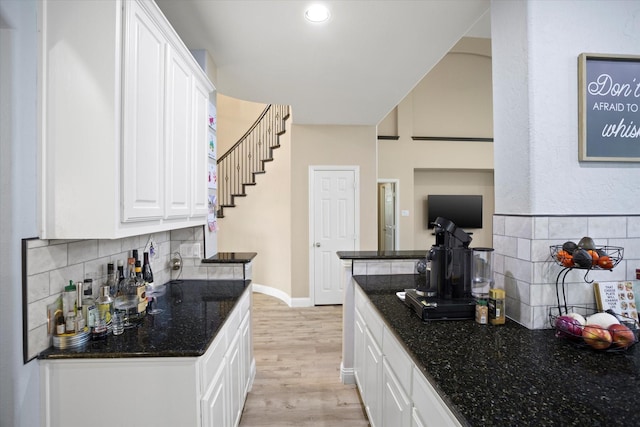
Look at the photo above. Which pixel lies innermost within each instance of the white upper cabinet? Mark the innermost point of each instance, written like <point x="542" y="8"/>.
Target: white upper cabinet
<point x="123" y="122"/>
<point x="143" y="146"/>
<point x="179" y="110"/>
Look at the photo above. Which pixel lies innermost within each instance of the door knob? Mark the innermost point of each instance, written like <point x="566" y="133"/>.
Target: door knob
<point x="317" y="245"/>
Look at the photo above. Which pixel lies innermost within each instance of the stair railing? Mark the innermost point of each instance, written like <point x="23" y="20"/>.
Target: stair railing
<point x="238" y="167"/>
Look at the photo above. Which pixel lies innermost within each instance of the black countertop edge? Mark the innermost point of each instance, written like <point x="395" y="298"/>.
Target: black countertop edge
<point x="361" y="255"/>
<point x="230" y="258"/>
<point x="194" y="312"/>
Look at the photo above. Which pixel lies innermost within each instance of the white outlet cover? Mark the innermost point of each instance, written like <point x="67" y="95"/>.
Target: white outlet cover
<point x="186" y="250"/>
<point x="196" y="250"/>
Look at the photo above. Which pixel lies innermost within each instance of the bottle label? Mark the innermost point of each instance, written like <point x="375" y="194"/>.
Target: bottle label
<point x="91" y="316"/>
<point x="104" y="311"/>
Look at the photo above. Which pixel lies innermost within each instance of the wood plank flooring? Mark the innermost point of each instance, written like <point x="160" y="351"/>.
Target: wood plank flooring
<point x="298" y="353"/>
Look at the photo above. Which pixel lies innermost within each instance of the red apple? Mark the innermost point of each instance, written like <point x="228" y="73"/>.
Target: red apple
<point x="597" y="337"/>
<point x="622" y="336"/>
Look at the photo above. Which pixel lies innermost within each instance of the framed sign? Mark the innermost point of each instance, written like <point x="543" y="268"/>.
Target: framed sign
<point x="609" y="108"/>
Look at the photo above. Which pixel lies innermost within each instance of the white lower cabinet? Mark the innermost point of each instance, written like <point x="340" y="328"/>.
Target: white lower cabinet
<point x="358" y="350"/>
<point x="396" y="406"/>
<point x="215" y="402"/>
<point x="205" y="391"/>
<point x="429" y="408"/>
<point x="372" y="374"/>
<point x="394" y="391"/>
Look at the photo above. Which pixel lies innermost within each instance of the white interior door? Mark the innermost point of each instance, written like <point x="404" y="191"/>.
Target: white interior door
<point x="389" y="217"/>
<point x="333" y="228"/>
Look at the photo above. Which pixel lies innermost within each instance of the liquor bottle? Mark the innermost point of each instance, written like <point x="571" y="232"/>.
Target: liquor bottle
<point x="112" y="280"/>
<point x="131" y="293"/>
<point x="80" y="310"/>
<point x="147" y="274"/>
<point x="121" y="275"/>
<point x="105" y="310"/>
<point x="141" y="290"/>
<point x="89" y="308"/>
<point x="105" y="305"/>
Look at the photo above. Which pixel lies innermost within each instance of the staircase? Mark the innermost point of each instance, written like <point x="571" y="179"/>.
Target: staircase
<point x="238" y="167"/>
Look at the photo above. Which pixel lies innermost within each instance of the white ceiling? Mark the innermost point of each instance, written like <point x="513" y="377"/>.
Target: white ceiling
<point x="352" y="70"/>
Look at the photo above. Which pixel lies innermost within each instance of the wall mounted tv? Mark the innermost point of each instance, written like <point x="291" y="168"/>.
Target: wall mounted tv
<point x="464" y="211"/>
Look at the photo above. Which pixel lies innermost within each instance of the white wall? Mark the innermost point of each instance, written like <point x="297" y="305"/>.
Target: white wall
<point x="19" y="384"/>
<point x="544" y="195"/>
<point x="535" y="51"/>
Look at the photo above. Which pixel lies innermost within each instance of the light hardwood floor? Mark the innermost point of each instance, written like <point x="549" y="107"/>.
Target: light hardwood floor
<point x="298" y="353"/>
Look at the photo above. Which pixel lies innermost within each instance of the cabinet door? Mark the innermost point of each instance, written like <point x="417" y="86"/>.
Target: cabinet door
<point x="178" y="128"/>
<point x="372" y="378"/>
<point x="396" y="406"/>
<point x="236" y="392"/>
<point x="214" y="403"/>
<point x="245" y="353"/>
<point x="358" y="350"/>
<point x="142" y="120"/>
<point x="199" y="202"/>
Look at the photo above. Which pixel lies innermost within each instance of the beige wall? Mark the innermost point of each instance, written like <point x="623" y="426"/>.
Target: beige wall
<point x="453" y="100"/>
<point x="273" y="220"/>
<point x="235" y="116"/>
<point x="452" y="182"/>
<point x="261" y="222"/>
<point x="329" y="145"/>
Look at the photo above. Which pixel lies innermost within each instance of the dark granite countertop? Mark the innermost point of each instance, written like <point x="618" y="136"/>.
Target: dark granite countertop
<point x="231" y="258"/>
<point x="382" y="254"/>
<point x="509" y="375"/>
<point x="193" y="312"/>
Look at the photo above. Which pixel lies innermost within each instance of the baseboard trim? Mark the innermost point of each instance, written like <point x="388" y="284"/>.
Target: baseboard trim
<point x="347" y="375"/>
<point x="282" y="296"/>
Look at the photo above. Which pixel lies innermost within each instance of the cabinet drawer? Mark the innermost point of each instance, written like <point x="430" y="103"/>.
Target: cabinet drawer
<point x="428" y="404"/>
<point x="245" y="302"/>
<point x="370" y="316"/>
<point x="397" y="357"/>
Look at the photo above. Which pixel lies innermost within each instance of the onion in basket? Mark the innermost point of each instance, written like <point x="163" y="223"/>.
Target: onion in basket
<point x="568" y="327"/>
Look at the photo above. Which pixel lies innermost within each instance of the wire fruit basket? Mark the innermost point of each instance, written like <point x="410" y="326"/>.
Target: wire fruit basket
<point x="602" y="257"/>
<point x="616" y="338"/>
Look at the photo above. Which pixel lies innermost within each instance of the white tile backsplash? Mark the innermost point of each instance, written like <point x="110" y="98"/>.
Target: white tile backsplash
<point x="52" y="263"/>
<point x="562" y="229"/>
<point x="403" y="267"/>
<point x="524" y="249"/>
<point x="607" y="228"/>
<point x="378" y="267"/>
<point x="530" y="282"/>
<point x="82" y="250"/>
<point x="46" y="258"/>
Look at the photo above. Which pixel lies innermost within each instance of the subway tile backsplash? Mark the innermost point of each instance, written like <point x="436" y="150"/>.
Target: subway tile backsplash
<point x="50" y="264"/>
<point x="525" y="269"/>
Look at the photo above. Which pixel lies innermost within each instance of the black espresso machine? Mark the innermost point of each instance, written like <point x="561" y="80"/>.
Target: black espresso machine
<point x="447" y="291"/>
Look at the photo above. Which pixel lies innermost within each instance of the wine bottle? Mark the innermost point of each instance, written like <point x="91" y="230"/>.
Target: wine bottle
<point x="147" y="274"/>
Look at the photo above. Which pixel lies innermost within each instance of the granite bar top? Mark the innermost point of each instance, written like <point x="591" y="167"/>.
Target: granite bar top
<point x="509" y="375"/>
<point x="193" y="312"/>
<point x="382" y="254"/>
<point x="230" y="258"/>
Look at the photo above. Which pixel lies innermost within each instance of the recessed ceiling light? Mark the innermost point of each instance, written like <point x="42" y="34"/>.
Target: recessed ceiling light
<point x="317" y="13"/>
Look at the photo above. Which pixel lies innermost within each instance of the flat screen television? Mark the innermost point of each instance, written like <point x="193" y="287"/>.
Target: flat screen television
<point x="464" y="211"/>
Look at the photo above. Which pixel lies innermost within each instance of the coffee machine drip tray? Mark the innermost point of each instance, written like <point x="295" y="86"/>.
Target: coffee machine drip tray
<point x="440" y="309"/>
